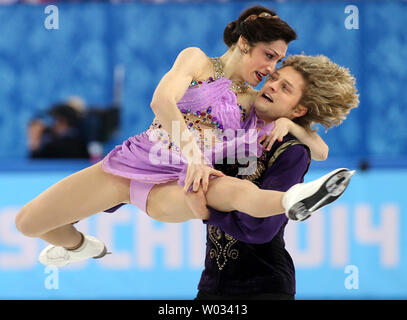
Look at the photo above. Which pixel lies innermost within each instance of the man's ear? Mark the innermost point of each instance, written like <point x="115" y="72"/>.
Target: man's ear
<point x="300" y="111"/>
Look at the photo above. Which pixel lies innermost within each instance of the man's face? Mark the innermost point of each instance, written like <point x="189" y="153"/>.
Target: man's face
<point x="280" y="95"/>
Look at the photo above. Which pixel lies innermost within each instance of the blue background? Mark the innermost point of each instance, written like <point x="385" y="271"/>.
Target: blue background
<point x="39" y="67"/>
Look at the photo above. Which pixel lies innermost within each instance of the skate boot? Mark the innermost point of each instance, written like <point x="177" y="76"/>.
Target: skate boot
<point x="302" y="199"/>
<point x="59" y="256"/>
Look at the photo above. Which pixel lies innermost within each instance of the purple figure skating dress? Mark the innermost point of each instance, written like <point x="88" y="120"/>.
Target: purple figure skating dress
<point x="152" y="157"/>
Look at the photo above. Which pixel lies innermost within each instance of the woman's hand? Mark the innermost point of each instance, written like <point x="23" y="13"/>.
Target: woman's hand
<point x="198" y="173"/>
<point x="282" y="127"/>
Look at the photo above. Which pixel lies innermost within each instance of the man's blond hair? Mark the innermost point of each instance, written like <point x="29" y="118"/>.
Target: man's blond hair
<point x="329" y="93"/>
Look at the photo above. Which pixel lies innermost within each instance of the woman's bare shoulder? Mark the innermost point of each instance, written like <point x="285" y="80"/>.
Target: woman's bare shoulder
<point x="193" y="55"/>
<point x="194" y="58"/>
<point x="193" y="52"/>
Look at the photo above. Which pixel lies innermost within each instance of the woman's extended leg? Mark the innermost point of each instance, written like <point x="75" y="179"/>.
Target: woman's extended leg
<point x="169" y="203"/>
<point x="228" y="193"/>
<point x="50" y="215"/>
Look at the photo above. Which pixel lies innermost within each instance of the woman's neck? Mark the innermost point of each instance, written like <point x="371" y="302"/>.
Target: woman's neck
<point x="231" y="61"/>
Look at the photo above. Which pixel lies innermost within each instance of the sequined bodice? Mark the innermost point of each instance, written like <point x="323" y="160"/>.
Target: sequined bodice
<point x="209" y="104"/>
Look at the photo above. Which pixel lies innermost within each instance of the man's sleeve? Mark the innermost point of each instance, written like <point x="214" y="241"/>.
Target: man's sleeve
<point x="288" y="169"/>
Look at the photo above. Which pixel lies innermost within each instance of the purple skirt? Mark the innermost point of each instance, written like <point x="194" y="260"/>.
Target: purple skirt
<point x="147" y="163"/>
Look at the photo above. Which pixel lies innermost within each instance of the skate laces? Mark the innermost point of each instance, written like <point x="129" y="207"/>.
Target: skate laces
<point x="57" y="253"/>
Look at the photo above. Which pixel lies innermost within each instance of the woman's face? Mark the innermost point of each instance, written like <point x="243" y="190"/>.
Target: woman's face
<point x="261" y="60"/>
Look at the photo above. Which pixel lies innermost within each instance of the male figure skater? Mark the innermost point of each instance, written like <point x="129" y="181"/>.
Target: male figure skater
<point x="246" y="256"/>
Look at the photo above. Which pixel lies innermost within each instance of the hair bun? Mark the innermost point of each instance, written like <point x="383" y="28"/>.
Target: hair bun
<point x="231" y="33"/>
<point x="258" y="24"/>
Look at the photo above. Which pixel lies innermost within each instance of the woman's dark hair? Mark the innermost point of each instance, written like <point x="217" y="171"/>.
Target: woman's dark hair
<point x="258" y="29"/>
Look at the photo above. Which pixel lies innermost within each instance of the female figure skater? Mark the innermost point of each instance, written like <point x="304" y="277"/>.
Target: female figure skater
<point x="198" y="93"/>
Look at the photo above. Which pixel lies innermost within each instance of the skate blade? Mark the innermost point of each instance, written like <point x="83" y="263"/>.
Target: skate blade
<point x="333" y="188"/>
<point x="104" y="252"/>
